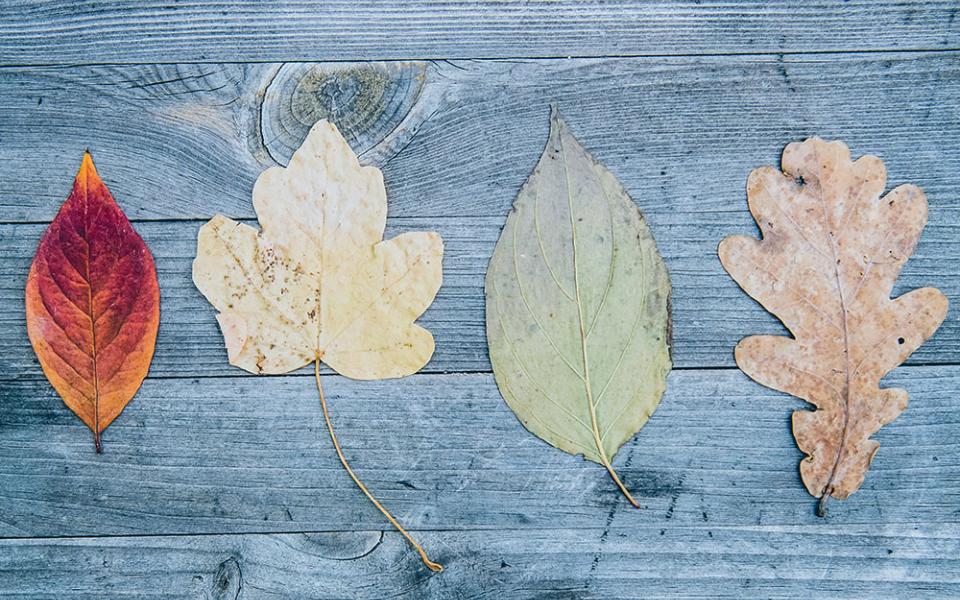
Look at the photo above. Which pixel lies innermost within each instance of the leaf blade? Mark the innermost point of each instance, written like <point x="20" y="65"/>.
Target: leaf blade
<point x="318" y="280"/>
<point x="561" y="317"/>
<point x="93" y="303"/>
<point x="847" y="245"/>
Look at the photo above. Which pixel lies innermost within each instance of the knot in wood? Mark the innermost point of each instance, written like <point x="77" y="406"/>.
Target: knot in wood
<point x="366" y="101"/>
<point x="227" y="581"/>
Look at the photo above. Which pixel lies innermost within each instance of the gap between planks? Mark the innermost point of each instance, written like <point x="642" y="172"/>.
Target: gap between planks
<point x="712" y="526"/>
<point x="354" y="60"/>
<point x="302" y="373"/>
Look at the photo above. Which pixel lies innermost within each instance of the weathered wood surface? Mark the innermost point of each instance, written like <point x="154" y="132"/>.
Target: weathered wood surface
<point x="216" y="486"/>
<point x="681" y="133"/>
<point x="186" y="141"/>
<point x="825" y="561"/>
<point x="213" y="30"/>
<point x="232" y="455"/>
<point x="710" y="313"/>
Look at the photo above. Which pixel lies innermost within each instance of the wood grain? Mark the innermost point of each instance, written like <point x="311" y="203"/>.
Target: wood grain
<point x="824" y="561"/>
<point x="710" y="313"/>
<point x="681" y="133"/>
<point x="209" y="482"/>
<point x="444" y="452"/>
<point x="214" y="30"/>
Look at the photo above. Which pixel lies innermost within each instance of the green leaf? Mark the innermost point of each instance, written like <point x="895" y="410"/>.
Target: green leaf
<point x="578" y="306"/>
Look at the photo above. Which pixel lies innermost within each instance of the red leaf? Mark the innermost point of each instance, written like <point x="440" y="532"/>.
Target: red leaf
<point x="93" y="303"/>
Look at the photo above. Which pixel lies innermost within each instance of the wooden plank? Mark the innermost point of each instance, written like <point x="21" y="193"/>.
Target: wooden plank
<point x="213" y="30"/>
<point x="878" y="562"/>
<point x="444" y="452"/>
<point x="458" y="139"/>
<point x="710" y="313"/>
<point x="682" y="134"/>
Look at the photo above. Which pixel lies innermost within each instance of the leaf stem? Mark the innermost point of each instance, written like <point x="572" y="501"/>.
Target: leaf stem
<point x="343" y="460"/>
<point x="603" y="456"/>
<point x="822" y="505"/>
<point x="606" y="463"/>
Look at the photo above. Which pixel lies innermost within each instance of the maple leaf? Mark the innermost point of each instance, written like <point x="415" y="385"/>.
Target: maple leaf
<point x="831" y="251"/>
<point x="317" y="283"/>
<point x="93" y="303"/>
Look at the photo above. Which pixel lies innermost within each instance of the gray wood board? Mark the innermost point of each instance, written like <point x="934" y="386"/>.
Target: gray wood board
<point x="212" y="30"/>
<point x="822" y="561"/>
<point x="681" y="133"/>
<point x="458" y="139"/>
<point x="216" y="455"/>
<point x="710" y="313"/>
<point x="209" y="483"/>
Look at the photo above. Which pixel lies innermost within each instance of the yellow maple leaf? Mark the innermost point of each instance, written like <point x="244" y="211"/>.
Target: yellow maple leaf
<point x="317" y="283"/>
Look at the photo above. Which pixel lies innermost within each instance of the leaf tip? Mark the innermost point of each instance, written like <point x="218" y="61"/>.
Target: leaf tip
<point x="87" y="161"/>
<point x="556" y="118"/>
<point x="87" y="171"/>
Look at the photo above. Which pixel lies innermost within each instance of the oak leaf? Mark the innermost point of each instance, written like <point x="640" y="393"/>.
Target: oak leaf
<point x="831" y="250"/>
<point x="93" y="303"/>
<point x="578" y="314"/>
<point x="317" y="283"/>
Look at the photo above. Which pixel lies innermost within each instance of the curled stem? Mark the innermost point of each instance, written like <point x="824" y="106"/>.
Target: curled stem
<point x="343" y="460"/>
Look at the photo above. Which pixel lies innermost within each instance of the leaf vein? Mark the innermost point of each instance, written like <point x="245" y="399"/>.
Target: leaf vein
<point x="526" y="304"/>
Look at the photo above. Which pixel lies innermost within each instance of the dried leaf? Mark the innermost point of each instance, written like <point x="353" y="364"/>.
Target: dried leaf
<point x="831" y="251"/>
<point x="93" y="304"/>
<point x="317" y="283"/>
<point x="578" y="306"/>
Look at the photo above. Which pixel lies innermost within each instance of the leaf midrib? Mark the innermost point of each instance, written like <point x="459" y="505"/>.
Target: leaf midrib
<point x="828" y="487"/>
<point x="576" y="288"/>
<point x="90" y="315"/>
